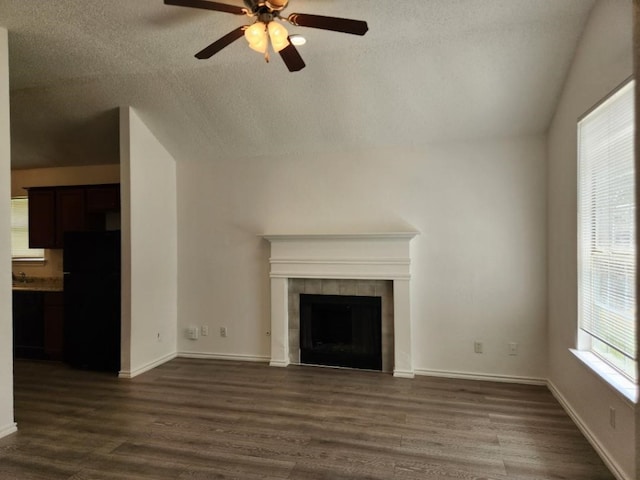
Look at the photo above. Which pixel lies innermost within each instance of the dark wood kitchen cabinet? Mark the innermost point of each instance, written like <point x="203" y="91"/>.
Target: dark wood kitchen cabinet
<point x="103" y="198"/>
<point x="53" y="211"/>
<point x="38" y="324"/>
<point x="42" y="218"/>
<point x="28" y="328"/>
<point x="53" y="316"/>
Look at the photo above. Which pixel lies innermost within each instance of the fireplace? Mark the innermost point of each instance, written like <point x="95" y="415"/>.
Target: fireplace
<point x="361" y="260"/>
<point x="341" y="331"/>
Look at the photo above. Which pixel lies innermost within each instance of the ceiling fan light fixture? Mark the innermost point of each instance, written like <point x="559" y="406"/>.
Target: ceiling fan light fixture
<point x="266" y="29"/>
<point x="279" y="36"/>
<point x="257" y="37"/>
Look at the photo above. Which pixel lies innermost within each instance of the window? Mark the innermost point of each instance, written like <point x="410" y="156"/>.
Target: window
<point x="606" y="232"/>
<point x="20" y="232"/>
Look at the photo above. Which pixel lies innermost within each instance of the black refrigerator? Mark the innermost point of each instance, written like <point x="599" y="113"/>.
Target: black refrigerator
<point x="91" y="264"/>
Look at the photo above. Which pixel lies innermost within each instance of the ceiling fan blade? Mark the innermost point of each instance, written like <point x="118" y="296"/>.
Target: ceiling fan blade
<point x="344" y="25"/>
<point x="219" y="44"/>
<point x="292" y="58"/>
<point x="219" y="7"/>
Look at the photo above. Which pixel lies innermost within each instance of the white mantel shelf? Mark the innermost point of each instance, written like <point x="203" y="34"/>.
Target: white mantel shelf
<point x="374" y="256"/>
<point x="338" y="236"/>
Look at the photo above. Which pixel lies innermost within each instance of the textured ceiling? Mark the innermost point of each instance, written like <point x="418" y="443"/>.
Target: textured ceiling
<point x="427" y="71"/>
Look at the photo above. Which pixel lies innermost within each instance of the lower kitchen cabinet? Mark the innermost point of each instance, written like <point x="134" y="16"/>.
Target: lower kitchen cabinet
<point x="53" y="325"/>
<point x="38" y="324"/>
<point x="28" y="324"/>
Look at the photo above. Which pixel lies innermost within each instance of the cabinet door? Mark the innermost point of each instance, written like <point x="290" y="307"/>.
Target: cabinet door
<point x="70" y="212"/>
<point x="42" y="218"/>
<point x="53" y="325"/>
<point x="103" y="198"/>
<point x="28" y="328"/>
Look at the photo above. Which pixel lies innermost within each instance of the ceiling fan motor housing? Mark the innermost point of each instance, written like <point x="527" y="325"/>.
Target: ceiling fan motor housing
<point x="271" y="5"/>
<point x="277" y="4"/>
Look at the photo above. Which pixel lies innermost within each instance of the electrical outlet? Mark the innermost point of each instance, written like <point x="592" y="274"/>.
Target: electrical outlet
<point x="223" y="331"/>
<point x="513" y="348"/>
<point x="477" y="347"/>
<point x="204" y="330"/>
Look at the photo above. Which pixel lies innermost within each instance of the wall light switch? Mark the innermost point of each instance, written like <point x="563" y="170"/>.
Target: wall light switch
<point x="477" y="347"/>
<point x="192" y="333"/>
<point x="204" y="330"/>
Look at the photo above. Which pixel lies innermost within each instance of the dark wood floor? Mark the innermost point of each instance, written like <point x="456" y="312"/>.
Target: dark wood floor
<point x="197" y="420"/>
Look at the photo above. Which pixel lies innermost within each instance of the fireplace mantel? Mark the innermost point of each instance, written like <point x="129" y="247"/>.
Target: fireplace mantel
<point x="372" y="256"/>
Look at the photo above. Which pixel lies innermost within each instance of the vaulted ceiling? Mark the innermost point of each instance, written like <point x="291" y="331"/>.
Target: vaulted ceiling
<point x="427" y="71"/>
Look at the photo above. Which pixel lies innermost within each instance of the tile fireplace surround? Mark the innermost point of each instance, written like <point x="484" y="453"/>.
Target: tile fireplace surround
<point x="363" y="256"/>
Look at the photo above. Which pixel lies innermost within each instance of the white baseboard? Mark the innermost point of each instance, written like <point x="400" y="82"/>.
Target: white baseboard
<point x="481" y="376"/>
<point x="146" y="367"/>
<point x="591" y="438"/>
<point x="8" y="429"/>
<point x="278" y="363"/>
<point x="224" y="356"/>
<point x="404" y="374"/>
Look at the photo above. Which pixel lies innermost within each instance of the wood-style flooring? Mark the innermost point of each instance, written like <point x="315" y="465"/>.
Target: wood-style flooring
<point x="203" y="419"/>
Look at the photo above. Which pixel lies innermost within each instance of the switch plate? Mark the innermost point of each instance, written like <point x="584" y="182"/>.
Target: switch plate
<point x="223" y="331"/>
<point x="192" y="333"/>
<point x="513" y="348"/>
<point x="204" y="330"/>
<point x="477" y="347"/>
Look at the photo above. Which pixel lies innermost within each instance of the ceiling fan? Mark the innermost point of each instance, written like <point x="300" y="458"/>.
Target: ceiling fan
<point x="267" y="30"/>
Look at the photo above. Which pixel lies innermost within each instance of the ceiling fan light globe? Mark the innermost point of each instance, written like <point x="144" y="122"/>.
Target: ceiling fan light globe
<point x="256" y="34"/>
<point x="279" y="36"/>
<point x="259" y="47"/>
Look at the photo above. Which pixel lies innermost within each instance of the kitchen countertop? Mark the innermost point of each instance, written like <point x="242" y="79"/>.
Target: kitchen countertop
<point x="38" y="284"/>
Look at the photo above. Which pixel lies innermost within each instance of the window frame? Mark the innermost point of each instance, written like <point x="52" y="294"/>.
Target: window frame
<point x="38" y="255"/>
<point x="588" y="344"/>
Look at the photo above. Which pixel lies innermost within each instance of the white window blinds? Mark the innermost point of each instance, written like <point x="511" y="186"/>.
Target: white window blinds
<point x="606" y="227"/>
<point x="20" y="230"/>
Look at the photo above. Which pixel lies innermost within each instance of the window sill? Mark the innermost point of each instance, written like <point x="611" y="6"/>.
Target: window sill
<point x="621" y="384"/>
<point x="28" y="261"/>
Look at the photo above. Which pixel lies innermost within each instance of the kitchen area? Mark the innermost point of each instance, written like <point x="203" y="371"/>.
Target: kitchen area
<point x="66" y="304"/>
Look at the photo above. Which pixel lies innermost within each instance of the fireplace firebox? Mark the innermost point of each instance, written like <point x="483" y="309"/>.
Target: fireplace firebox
<point x="341" y="330"/>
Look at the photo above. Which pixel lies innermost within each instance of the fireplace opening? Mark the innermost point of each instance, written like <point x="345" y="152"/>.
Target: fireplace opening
<point x="341" y="331"/>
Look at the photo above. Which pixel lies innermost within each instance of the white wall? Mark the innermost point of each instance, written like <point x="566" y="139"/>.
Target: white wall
<point x="7" y="424"/>
<point x="603" y="60"/>
<point x="478" y="267"/>
<point x="149" y="247"/>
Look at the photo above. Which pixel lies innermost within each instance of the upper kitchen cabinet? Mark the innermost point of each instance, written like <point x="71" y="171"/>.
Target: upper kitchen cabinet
<point x="53" y="211"/>
<point x="42" y="218"/>
<point x="103" y="198"/>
